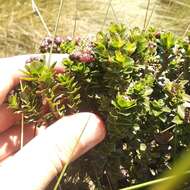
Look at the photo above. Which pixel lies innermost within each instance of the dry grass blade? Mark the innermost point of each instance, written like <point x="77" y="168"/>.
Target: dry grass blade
<point x="179" y="173"/>
<point x="170" y="2"/>
<point x="151" y="14"/>
<point x="55" y="30"/>
<point x="37" y="12"/>
<point x="75" y="21"/>
<point x="22" y="123"/>
<point x="109" y="182"/>
<point x="186" y="31"/>
<point x="114" y="13"/>
<point x="146" y="15"/>
<point x="106" y="15"/>
<point x="72" y="152"/>
<point x="22" y="132"/>
<point x="180" y="3"/>
<point x="156" y="182"/>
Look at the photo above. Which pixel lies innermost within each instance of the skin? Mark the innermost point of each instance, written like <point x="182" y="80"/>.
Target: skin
<point x="44" y="156"/>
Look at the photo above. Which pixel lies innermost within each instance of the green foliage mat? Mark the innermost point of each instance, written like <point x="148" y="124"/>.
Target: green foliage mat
<point x="137" y="81"/>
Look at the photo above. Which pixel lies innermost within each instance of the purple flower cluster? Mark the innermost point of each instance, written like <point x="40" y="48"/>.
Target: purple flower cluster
<point x="84" y="56"/>
<point x="47" y="43"/>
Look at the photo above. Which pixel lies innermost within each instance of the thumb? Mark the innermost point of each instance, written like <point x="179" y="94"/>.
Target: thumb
<point x="44" y="157"/>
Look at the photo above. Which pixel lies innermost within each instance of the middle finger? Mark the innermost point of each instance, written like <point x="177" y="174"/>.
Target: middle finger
<point x="7" y="118"/>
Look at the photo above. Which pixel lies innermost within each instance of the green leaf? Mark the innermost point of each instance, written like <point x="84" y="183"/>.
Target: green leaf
<point x="130" y="48"/>
<point x="139" y="87"/>
<point x="13" y="102"/>
<point x="177" y="120"/>
<point x="119" y="56"/>
<point x="158" y="104"/>
<point x="167" y="40"/>
<point x="163" y="118"/>
<point x="128" y="63"/>
<point x="117" y="29"/>
<point x="116" y="42"/>
<point x="143" y="147"/>
<point x="148" y="91"/>
<point x="186" y="97"/>
<point x="181" y="111"/>
<point x="124" y="103"/>
<point x="156" y="113"/>
<point x="67" y="46"/>
<point x="35" y="67"/>
<point x="166" y="109"/>
<point x="149" y="79"/>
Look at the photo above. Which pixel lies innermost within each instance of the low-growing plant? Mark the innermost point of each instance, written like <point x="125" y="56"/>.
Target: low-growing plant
<point x="137" y="81"/>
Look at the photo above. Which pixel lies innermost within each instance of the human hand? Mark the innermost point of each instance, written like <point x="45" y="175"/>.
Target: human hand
<point x="40" y="160"/>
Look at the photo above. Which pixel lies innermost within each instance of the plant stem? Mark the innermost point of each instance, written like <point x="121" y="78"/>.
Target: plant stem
<point x="167" y="129"/>
<point x="55" y="30"/>
<point x="22" y="122"/>
<point x="68" y="162"/>
<point x="153" y="182"/>
<point x="109" y="182"/>
<point x="75" y="22"/>
<point x="22" y="132"/>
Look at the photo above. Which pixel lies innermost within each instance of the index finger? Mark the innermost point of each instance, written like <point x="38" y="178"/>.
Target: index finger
<point x="10" y="70"/>
<point x="9" y="75"/>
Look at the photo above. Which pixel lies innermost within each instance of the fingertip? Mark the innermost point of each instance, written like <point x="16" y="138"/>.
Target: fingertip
<point x="93" y="125"/>
<point x="79" y="133"/>
<point x="93" y="132"/>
